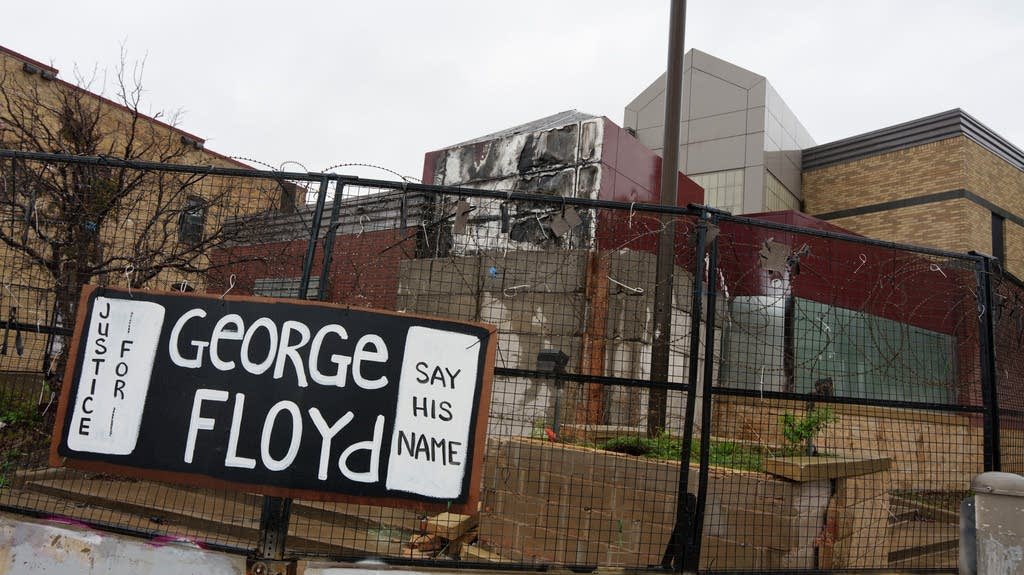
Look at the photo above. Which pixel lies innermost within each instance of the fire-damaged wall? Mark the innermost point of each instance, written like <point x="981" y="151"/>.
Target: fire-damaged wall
<point x="545" y="157"/>
<point x="568" y="155"/>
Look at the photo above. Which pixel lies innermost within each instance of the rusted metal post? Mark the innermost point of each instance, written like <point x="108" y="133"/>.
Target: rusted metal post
<point x="595" y="338"/>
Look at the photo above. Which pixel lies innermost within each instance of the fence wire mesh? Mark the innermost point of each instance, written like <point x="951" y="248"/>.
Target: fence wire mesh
<point x="1008" y="318"/>
<point x="850" y="377"/>
<point x="65" y="224"/>
<point x="835" y="384"/>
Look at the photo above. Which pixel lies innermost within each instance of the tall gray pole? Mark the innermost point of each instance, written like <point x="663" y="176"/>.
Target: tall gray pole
<point x="666" y="239"/>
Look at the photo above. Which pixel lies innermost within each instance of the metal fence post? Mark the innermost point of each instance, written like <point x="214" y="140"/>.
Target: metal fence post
<point x="678" y="554"/>
<point x="314" y="236"/>
<point x="706" y="402"/>
<point x="986" y="345"/>
<point x="332" y="227"/>
<point x="274" y="519"/>
<point x="276" y="512"/>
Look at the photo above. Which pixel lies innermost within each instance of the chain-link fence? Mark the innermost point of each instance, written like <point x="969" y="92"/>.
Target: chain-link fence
<point x="832" y="395"/>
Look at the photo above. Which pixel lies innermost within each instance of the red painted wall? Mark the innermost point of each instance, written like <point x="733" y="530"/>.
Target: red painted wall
<point x="363" y="271"/>
<point x="886" y="282"/>
<point x="632" y="173"/>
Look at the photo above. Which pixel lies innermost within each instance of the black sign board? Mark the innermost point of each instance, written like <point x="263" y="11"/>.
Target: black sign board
<point x="282" y="397"/>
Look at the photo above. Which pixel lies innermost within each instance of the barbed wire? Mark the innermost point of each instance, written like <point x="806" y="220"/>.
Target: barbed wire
<point x="374" y="166"/>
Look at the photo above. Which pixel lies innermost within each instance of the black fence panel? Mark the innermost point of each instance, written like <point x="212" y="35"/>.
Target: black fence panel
<point x="1007" y="305"/>
<point x="67" y="222"/>
<point x="829" y="393"/>
<point x="849" y="391"/>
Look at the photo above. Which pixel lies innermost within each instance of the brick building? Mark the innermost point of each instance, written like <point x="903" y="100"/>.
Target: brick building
<point x="945" y="181"/>
<point x="68" y="223"/>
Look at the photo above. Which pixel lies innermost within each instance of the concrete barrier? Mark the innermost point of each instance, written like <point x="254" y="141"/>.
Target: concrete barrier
<point x="59" y="548"/>
<point x="999" y="517"/>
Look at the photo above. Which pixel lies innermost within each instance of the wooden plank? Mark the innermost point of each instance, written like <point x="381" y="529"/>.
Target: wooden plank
<point x="211" y="513"/>
<point x="451" y="525"/>
<point x="353" y="514"/>
<point x="477" y="553"/>
<point x="926" y="511"/>
<point x="455" y="546"/>
<point x="919" y="538"/>
<point x="807" y="468"/>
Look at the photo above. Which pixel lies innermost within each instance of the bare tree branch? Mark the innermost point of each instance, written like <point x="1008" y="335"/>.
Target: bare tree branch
<point x="75" y="223"/>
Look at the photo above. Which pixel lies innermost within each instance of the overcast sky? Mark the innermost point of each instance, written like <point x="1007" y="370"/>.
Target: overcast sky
<point x="379" y="82"/>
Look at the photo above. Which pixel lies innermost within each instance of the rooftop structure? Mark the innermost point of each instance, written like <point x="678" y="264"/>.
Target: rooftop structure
<point x="738" y="138"/>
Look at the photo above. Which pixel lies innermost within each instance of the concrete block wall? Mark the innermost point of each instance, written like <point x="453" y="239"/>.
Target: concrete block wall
<point x="861" y="513"/>
<point x="538" y="300"/>
<point x="547" y="502"/>
<point x="929" y="451"/>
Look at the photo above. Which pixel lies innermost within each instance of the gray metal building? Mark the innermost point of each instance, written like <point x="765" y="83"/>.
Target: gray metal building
<point x="738" y="138"/>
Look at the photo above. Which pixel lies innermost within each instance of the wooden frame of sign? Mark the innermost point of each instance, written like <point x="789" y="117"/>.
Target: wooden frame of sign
<point x="289" y="398"/>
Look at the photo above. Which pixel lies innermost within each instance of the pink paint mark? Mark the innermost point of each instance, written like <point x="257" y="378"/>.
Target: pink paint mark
<point x="67" y="521"/>
<point x="163" y="540"/>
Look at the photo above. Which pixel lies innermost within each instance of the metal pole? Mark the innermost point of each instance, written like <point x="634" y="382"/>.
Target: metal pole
<point x="665" y="273"/>
<point x="986" y="344"/>
<point x="274" y="519"/>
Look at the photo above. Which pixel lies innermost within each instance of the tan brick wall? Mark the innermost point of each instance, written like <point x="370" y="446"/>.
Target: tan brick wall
<point x="27" y="97"/>
<point x="941" y="225"/>
<point x="921" y="170"/>
<point x="929" y="450"/>
<point x="951" y="164"/>
<point x="992" y="178"/>
<point x="976" y="227"/>
<point x="546" y="502"/>
<point x="1014" y="248"/>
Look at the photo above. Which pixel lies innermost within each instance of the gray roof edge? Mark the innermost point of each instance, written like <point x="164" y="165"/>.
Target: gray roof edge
<point x="941" y="126"/>
<point x="991" y="141"/>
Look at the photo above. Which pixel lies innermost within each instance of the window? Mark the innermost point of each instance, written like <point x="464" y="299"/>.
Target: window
<point x="869" y="356"/>
<point x="777" y="197"/>
<point x="190" y="222"/>
<point x="864" y="355"/>
<point x="999" y="237"/>
<point x="722" y="190"/>
<point x="285" y="287"/>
